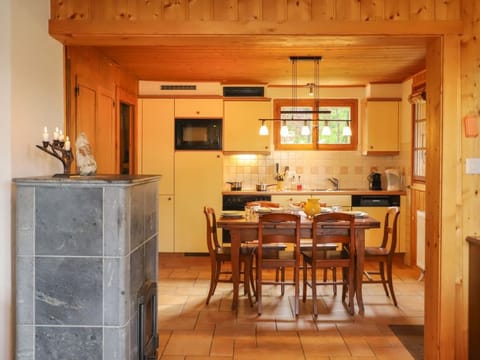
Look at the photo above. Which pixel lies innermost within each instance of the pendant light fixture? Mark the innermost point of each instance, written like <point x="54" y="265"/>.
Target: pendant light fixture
<point x="326" y="131"/>
<point x="347" y="130"/>
<point x="313" y="91"/>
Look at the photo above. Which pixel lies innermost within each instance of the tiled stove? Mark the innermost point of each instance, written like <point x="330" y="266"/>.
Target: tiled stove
<point x="85" y="246"/>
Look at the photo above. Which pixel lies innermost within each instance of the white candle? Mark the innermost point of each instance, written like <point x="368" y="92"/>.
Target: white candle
<point x="55" y="134"/>
<point x="45" y="134"/>
<point x="60" y="136"/>
<point x="67" y="144"/>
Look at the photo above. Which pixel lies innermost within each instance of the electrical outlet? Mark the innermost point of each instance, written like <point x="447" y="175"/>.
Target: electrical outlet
<point x="472" y="166"/>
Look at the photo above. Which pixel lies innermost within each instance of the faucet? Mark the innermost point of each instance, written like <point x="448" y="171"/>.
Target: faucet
<point x="334" y="182"/>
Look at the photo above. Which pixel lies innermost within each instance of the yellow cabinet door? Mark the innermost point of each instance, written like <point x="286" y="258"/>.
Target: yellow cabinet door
<point x="380" y="127"/>
<point x="156" y="140"/>
<point x="166" y="223"/>
<point x="287" y="199"/>
<point x="373" y="237"/>
<point x="198" y="183"/>
<point x="200" y="108"/>
<point x="241" y="126"/>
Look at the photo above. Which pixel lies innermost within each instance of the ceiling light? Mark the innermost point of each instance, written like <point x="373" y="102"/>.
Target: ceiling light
<point x="313" y="91"/>
<point x="347" y="130"/>
<point x="305" y="129"/>
<point x="310" y="89"/>
<point x="326" y="131"/>
<point x="263" y="129"/>
<point x="284" y="129"/>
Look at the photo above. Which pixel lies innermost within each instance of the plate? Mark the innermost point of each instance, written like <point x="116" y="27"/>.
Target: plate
<point x="232" y="214"/>
<point x="356" y="213"/>
<point x="278" y="210"/>
<point x="326" y="210"/>
<point x="263" y="210"/>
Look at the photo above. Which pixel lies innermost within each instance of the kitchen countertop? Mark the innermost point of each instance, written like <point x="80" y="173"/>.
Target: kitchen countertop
<point x="346" y="191"/>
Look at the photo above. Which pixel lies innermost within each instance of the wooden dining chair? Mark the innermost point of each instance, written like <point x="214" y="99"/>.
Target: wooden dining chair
<point x="340" y="256"/>
<point x="264" y="204"/>
<point x="280" y="272"/>
<point x="222" y="254"/>
<point x="383" y="254"/>
<point x="278" y="248"/>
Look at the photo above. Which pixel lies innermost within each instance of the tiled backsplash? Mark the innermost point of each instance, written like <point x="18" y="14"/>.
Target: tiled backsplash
<point x="313" y="168"/>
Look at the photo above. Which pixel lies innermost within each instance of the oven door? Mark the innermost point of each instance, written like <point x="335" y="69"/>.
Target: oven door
<point x="238" y="202"/>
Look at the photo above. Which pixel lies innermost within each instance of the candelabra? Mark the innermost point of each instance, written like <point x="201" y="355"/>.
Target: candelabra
<point x="57" y="150"/>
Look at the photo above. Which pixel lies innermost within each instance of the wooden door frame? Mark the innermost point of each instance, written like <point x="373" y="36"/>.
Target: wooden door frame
<point x="125" y="97"/>
<point x="444" y="326"/>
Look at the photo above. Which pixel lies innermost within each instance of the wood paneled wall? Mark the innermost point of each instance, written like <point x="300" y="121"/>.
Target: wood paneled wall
<point x="255" y="10"/>
<point x="469" y="197"/>
<point x="92" y="89"/>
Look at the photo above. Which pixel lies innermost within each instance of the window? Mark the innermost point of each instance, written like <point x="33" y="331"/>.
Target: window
<point x="340" y="110"/>
<point x="419" y="150"/>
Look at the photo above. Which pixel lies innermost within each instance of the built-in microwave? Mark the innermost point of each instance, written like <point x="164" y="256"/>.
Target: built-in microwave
<point x="198" y="134"/>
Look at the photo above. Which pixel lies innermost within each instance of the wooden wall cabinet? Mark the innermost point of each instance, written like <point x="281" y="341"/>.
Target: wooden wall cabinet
<point x="241" y="126"/>
<point x="380" y="127"/>
<point x="94" y="91"/>
<point x="201" y="108"/>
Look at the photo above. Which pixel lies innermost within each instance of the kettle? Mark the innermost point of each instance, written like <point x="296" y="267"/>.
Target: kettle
<point x="375" y="181"/>
<point x="393" y="179"/>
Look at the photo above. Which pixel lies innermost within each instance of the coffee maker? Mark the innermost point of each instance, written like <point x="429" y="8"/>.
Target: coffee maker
<point x="375" y="181"/>
<point x="393" y="179"/>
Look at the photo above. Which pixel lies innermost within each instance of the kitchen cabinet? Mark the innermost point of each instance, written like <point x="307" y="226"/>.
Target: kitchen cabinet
<point x="380" y="130"/>
<point x="373" y="237"/>
<point x="156" y="120"/>
<point x="156" y="143"/>
<point x="198" y="183"/>
<point x="241" y="126"/>
<point x="201" y="108"/>
<point x="166" y="218"/>
<point x="285" y="199"/>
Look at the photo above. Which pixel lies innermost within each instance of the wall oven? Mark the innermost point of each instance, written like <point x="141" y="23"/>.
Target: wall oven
<point x="198" y="134"/>
<point x="238" y="202"/>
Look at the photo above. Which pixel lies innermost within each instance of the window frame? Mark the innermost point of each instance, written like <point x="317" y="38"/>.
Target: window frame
<point x="352" y="103"/>
<point x="416" y="148"/>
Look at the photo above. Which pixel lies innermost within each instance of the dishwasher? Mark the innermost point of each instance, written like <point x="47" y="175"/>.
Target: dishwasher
<point x="376" y="206"/>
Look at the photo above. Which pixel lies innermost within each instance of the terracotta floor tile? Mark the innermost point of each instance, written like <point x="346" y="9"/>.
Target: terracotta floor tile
<point x="193" y="342"/>
<point x="190" y="329"/>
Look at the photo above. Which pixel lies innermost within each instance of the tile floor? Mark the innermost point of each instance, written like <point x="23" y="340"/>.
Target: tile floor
<point x="189" y="329"/>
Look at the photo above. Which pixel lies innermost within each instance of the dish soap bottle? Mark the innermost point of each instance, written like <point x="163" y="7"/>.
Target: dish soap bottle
<point x="299" y="184"/>
<point x="293" y="183"/>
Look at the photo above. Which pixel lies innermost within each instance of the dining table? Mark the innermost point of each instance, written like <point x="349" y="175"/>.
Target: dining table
<point x="243" y="229"/>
